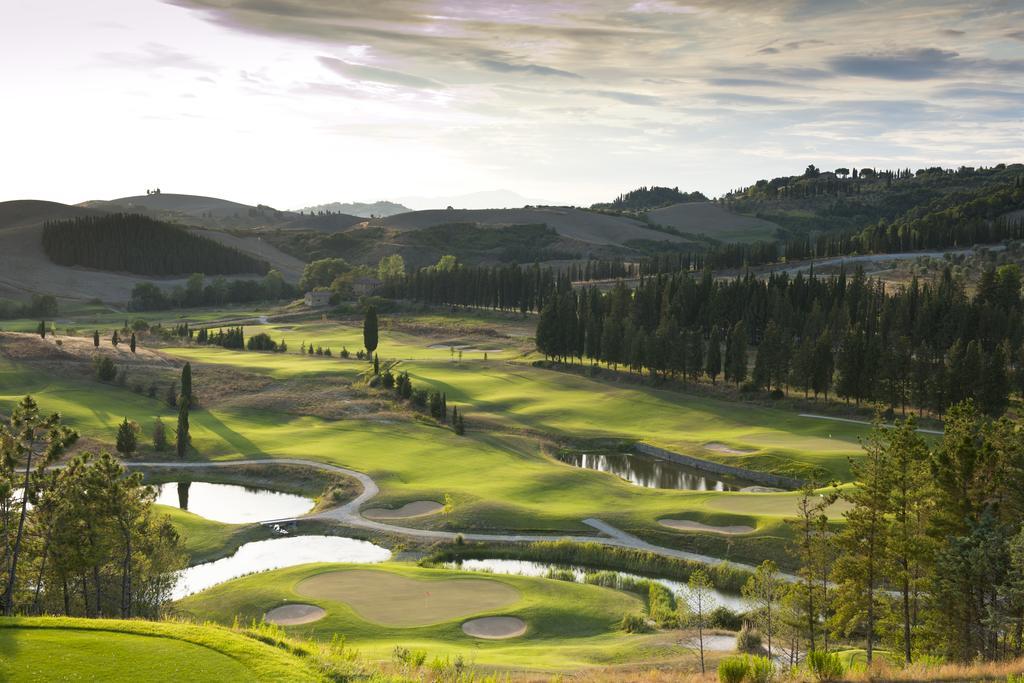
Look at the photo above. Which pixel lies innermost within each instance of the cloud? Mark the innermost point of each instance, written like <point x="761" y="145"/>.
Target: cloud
<point x="361" y="72"/>
<point x="157" y="56"/>
<point x="908" y="65"/>
<point x="534" y="69"/>
<point x="952" y="32"/>
<point x="625" y="97"/>
<point x="1016" y="35"/>
<point x="745" y="82"/>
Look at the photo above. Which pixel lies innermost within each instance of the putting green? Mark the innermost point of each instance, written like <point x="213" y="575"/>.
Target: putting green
<point x="394" y="600"/>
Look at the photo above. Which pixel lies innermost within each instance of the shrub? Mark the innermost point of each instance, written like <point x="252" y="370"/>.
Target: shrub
<point x="724" y="618"/>
<point x="106" y="371"/>
<point x="761" y="670"/>
<point x="748" y="640"/>
<point x="633" y="623"/>
<point x="825" y="666"/>
<point x="561" y="575"/>
<point x="661" y="606"/>
<point x="733" y="669"/>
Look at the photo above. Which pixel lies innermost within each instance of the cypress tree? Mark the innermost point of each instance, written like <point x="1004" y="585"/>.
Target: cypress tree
<point x="370" y="332"/>
<point x="114" y="339"/>
<point x="96" y="338"/>
<point x="131" y="344"/>
<point x="713" y="359"/>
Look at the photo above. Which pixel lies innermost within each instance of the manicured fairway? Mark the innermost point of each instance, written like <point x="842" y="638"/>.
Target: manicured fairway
<point x="206" y="539"/>
<point x="63" y="649"/>
<point x="568" y="624"/>
<point x="394" y="600"/>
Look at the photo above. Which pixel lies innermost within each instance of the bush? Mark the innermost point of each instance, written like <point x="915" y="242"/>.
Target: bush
<point x="633" y="623"/>
<point x="761" y="669"/>
<point x="106" y="371"/>
<point x="748" y="641"/>
<point x="724" y="618"/>
<point x="825" y="666"/>
<point x="733" y="669"/>
<point x="661" y="606"/>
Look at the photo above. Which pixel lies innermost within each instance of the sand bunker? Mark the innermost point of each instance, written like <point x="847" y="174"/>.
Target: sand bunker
<point x="465" y="348"/>
<point x="722" y="448"/>
<point x="292" y="615"/>
<point x="760" y="489"/>
<point x="395" y="600"/>
<point x="417" y="508"/>
<point x="495" y="628"/>
<point x="687" y="525"/>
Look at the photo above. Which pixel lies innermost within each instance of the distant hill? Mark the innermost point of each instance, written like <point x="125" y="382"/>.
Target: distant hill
<point x="488" y="199"/>
<point x="363" y="210"/>
<point x="25" y="268"/>
<point x="647" y="198"/>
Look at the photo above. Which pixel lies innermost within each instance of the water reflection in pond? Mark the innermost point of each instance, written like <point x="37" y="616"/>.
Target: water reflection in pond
<point x="230" y="503"/>
<point x="528" y="568"/>
<point x="277" y="553"/>
<point x="652" y="473"/>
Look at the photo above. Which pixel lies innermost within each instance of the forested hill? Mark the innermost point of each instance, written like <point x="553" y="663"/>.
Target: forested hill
<point x="852" y="199"/>
<point x="648" y="198"/>
<point x="137" y="244"/>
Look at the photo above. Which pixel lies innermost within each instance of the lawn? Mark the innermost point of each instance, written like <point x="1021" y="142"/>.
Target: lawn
<point x="206" y="540"/>
<point x="66" y="649"/>
<point x="568" y="625"/>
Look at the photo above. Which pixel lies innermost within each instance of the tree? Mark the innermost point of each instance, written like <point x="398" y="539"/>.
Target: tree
<point x="812" y="546"/>
<point x="171" y="397"/>
<point x="376" y="364"/>
<point x="701" y="600"/>
<point x="370" y="330"/>
<point x="824" y="366"/>
<point x="114" y="339"/>
<point x="184" y="402"/>
<point x="96" y="338"/>
<point x="131" y="344"/>
<point x="736" y="354"/>
<point x="41" y="329"/>
<point x="30" y="442"/>
<point x="763" y="590"/>
<point x="127" y="438"/>
<point x="713" y="358"/>
<point x="863" y="539"/>
<point x="159" y="436"/>
<point x="391" y="268"/>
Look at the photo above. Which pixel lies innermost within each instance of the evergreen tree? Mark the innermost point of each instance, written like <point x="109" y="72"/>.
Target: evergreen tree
<point x="96" y="338"/>
<point x="131" y="344"/>
<point x="713" y="359"/>
<point x="736" y="354"/>
<point x="159" y="436"/>
<point x="41" y="329"/>
<point x="114" y="339"/>
<point x="184" y="403"/>
<point x="763" y="591"/>
<point x="127" y="438"/>
<point x="370" y="333"/>
<point x="376" y="364"/>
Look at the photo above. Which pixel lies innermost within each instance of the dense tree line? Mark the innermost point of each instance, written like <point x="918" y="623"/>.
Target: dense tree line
<point x="506" y="288"/>
<point x="82" y="540"/>
<point x="147" y="296"/>
<point x="40" y="306"/>
<point x="134" y="243"/>
<point x="924" y="345"/>
<point x="647" y="198"/>
<point x="930" y="560"/>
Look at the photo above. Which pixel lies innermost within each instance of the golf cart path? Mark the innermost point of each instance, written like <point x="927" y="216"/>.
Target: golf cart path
<point x="349" y="515"/>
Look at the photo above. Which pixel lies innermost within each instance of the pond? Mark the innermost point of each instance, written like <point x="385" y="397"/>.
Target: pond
<point x="230" y="503"/>
<point x="653" y="473"/>
<point x="277" y="553"/>
<point x="529" y="568"/>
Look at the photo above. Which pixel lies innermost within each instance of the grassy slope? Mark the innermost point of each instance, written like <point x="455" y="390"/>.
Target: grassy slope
<point x="66" y="649"/>
<point x="206" y="540"/>
<point x="569" y="625"/>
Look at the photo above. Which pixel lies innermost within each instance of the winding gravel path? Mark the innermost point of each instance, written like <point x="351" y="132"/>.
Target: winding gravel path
<point x="349" y="515"/>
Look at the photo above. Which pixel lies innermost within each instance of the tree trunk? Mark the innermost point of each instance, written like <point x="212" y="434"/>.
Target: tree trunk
<point x="126" y="580"/>
<point x="42" y="570"/>
<point x="906" y="614"/>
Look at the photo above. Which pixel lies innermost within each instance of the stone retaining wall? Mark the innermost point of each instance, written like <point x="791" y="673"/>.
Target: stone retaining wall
<point x="762" y="478"/>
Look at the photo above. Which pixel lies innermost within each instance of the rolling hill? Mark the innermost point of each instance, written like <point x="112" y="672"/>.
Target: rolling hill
<point x="714" y="221"/>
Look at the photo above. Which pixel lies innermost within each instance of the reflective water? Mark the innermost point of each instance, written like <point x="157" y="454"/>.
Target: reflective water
<point x="276" y="553"/>
<point x="653" y="473"/>
<point x="230" y="503"/>
<point x="528" y="568"/>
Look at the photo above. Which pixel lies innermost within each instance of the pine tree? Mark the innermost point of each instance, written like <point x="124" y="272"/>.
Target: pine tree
<point x="713" y="359"/>
<point x="736" y="354"/>
<point x="127" y="438"/>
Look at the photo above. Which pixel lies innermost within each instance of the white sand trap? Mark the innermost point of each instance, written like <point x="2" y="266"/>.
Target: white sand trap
<point x="722" y="448"/>
<point x="688" y="525"/>
<point x="292" y="615"/>
<point x="466" y="348"/>
<point x="495" y="628"/>
<point x="417" y="508"/>
<point x="760" y="489"/>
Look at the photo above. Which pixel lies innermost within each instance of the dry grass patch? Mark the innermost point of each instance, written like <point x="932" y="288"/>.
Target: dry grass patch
<point x="394" y="600"/>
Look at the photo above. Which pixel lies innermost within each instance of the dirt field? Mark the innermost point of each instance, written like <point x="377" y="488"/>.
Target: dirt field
<point x="712" y="220"/>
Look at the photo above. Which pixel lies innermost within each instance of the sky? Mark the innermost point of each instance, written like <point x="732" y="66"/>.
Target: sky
<point x="299" y="102"/>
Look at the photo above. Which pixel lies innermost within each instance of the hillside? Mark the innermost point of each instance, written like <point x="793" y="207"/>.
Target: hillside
<point x="710" y="219"/>
<point x="25" y="268"/>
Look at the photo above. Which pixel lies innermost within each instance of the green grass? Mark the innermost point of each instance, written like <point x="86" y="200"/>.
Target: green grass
<point x="205" y="540"/>
<point x="66" y="649"/>
<point x="569" y="625"/>
<point x="86" y="317"/>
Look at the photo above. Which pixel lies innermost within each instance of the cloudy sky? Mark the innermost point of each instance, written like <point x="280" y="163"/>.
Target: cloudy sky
<point x="294" y="102"/>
